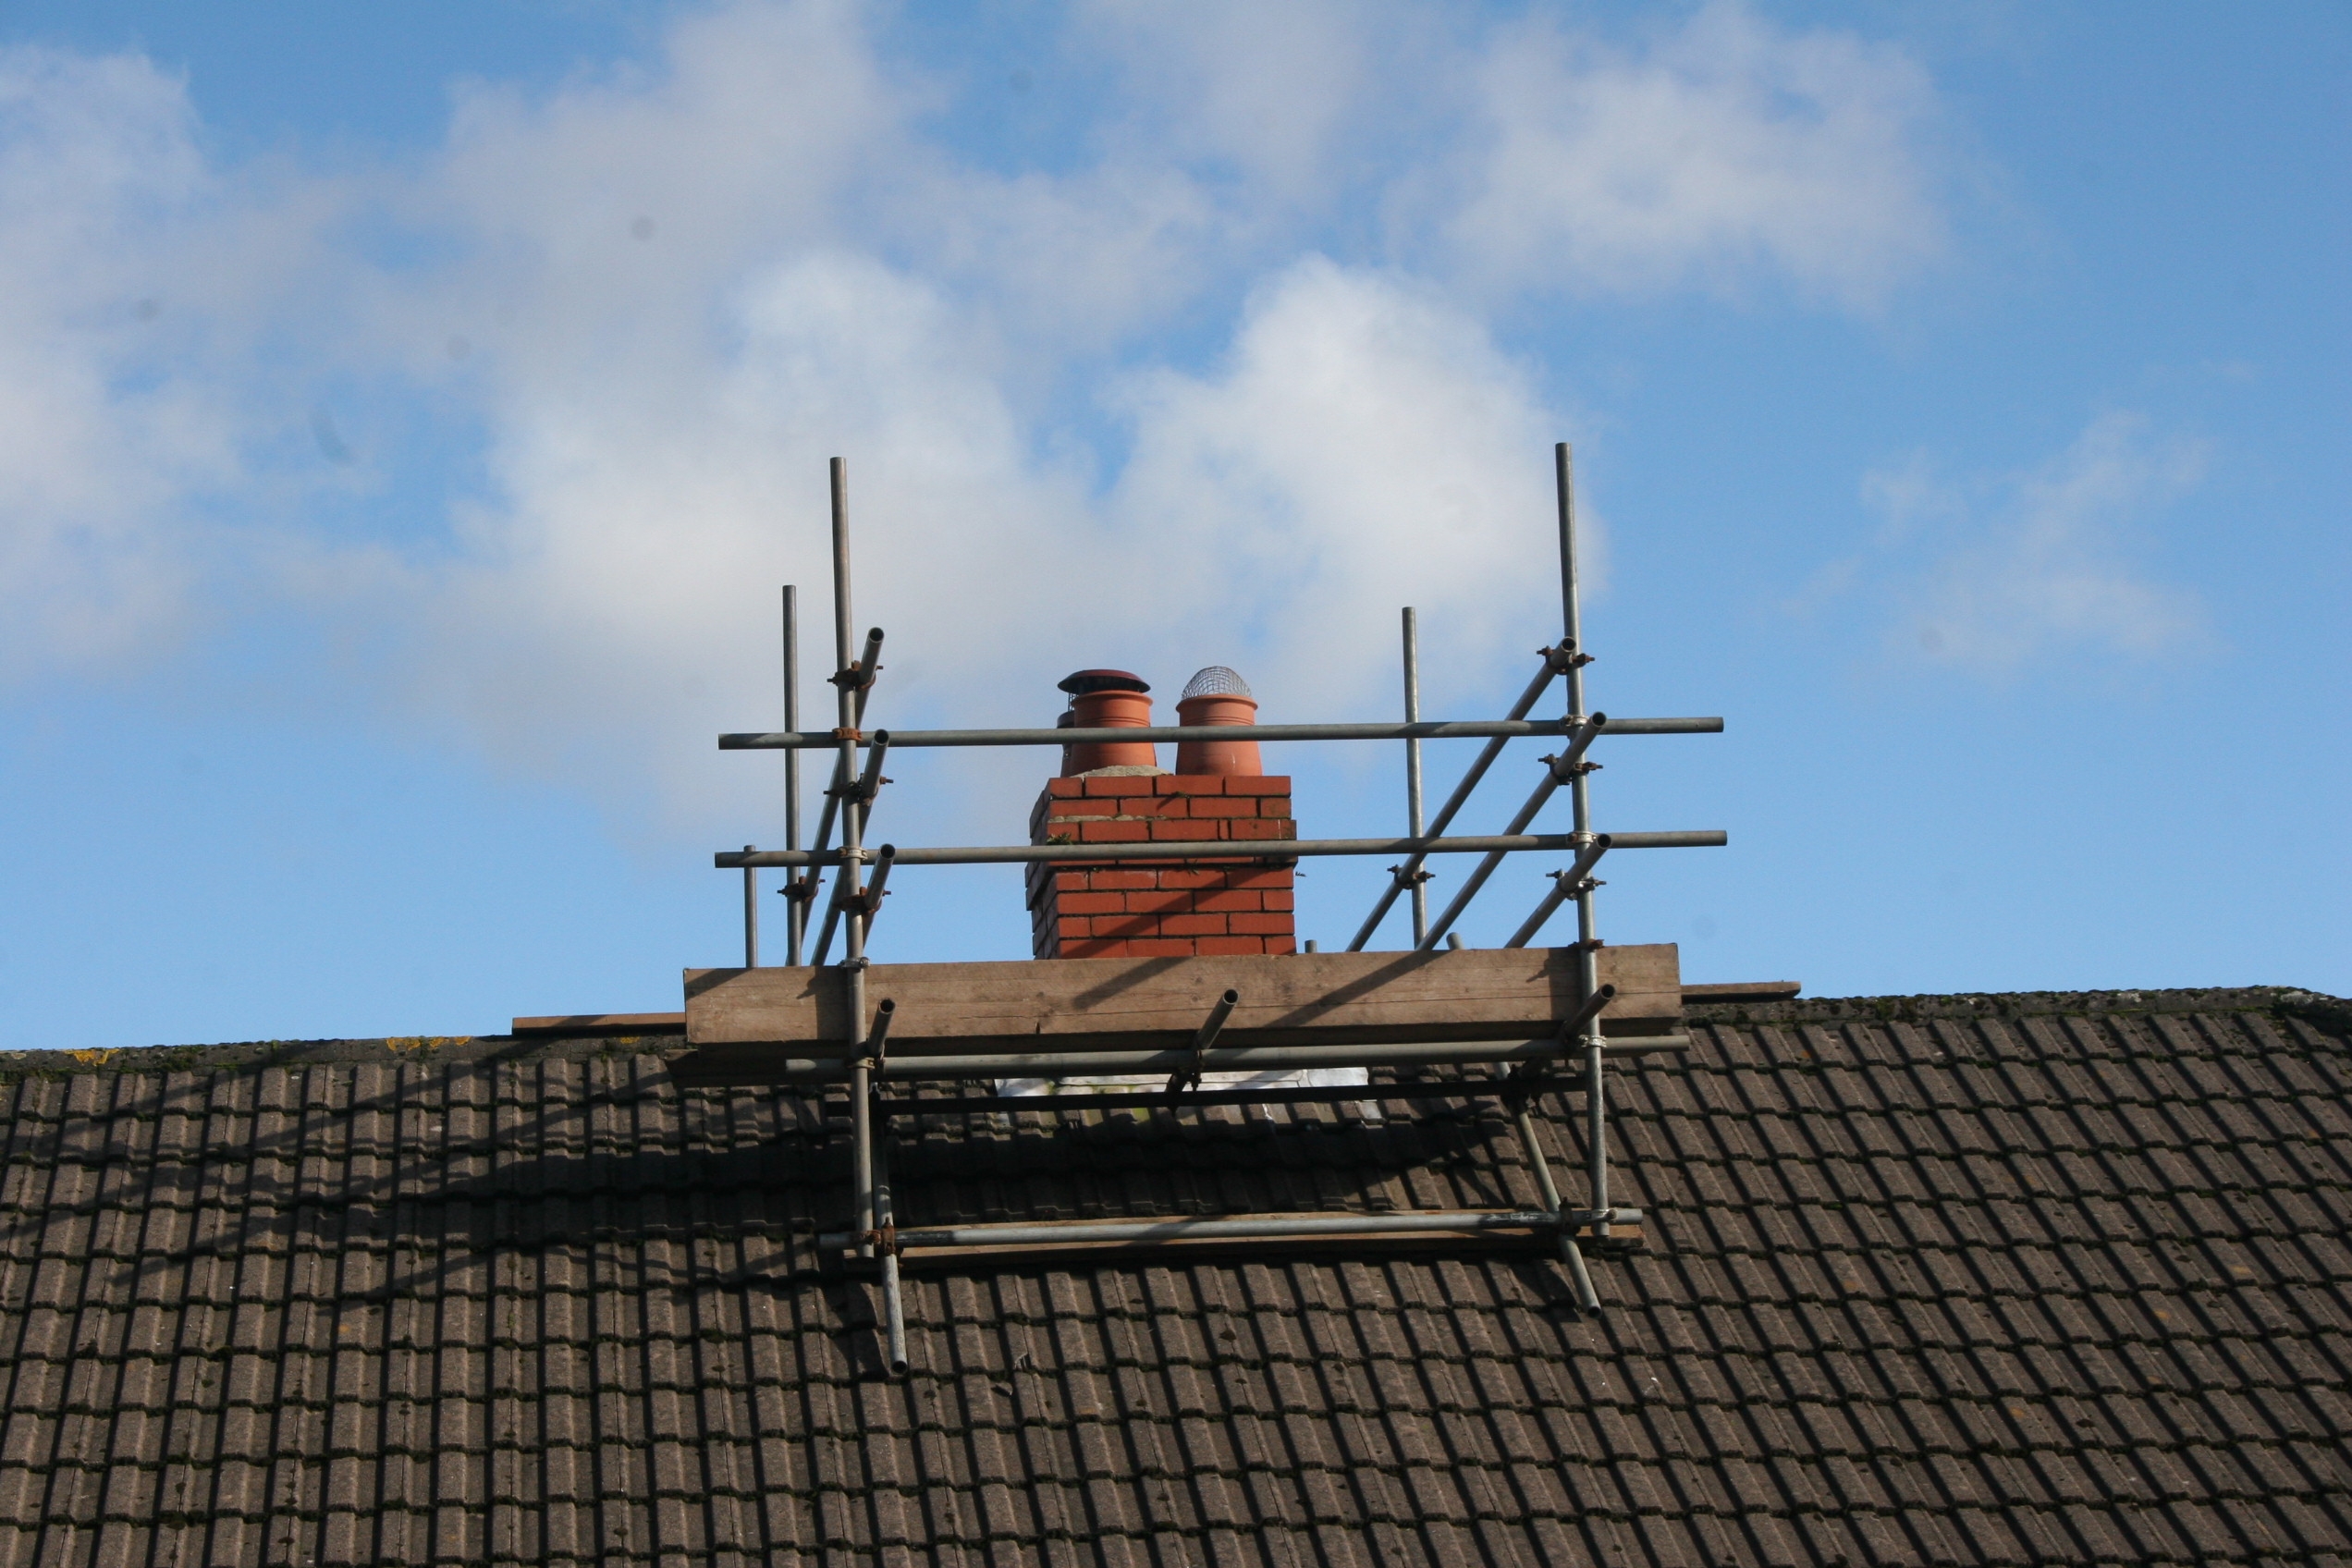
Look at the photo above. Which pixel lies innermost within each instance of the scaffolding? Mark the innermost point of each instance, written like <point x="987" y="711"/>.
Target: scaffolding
<point x="843" y="1036"/>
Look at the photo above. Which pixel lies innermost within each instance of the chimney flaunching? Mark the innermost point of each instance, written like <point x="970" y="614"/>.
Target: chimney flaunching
<point x="1115" y="794"/>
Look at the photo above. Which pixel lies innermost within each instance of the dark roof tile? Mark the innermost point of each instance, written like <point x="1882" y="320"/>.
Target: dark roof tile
<point x="1983" y="1279"/>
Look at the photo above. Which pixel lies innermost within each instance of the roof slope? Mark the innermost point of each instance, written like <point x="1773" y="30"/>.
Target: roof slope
<point x="1972" y="1280"/>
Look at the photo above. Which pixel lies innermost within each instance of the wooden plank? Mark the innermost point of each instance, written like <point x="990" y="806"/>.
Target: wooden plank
<point x="602" y="1023"/>
<point x="1157" y="1003"/>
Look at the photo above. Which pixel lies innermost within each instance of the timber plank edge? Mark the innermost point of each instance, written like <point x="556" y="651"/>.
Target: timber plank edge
<point x="1151" y="1003"/>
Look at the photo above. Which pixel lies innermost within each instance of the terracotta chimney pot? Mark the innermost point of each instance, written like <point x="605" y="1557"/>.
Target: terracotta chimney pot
<point x="1217" y="696"/>
<point x="1107" y="699"/>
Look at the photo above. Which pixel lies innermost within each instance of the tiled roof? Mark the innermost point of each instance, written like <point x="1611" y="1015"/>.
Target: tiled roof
<point x="1957" y="1280"/>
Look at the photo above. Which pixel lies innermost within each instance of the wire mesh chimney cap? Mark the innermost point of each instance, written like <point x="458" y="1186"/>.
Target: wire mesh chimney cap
<point x="1087" y="680"/>
<point x="1217" y="680"/>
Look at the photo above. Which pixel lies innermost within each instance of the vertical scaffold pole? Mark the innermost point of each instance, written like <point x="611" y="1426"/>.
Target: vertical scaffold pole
<point x="796" y="901"/>
<point x="1413" y="764"/>
<point x="1580" y="795"/>
<point x="853" y="897"/>
<point x="894" y="1348"/>
<point x="751" y="913"/>
<point x="852" y="873"/>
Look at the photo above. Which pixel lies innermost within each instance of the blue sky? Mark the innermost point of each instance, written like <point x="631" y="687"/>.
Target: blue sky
<point x="409" y="413"/>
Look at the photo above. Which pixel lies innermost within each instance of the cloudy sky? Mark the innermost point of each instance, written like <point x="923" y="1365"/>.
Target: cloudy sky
<point x="407" y="416"/>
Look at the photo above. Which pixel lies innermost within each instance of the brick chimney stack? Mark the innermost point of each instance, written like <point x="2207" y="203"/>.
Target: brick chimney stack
<point x="1137" y="909"/>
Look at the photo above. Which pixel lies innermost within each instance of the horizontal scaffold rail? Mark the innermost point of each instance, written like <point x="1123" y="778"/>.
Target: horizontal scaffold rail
<point x="776" y="1069"/>
<point x="1183" y="1227"/>
<point x="1436" y="730"/>
<point x="1070" y="1102"/>
<point x="1234" y="848"/>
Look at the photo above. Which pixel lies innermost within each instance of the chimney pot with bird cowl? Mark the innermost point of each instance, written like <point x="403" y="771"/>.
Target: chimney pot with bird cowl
<point x="1217" y="696"/>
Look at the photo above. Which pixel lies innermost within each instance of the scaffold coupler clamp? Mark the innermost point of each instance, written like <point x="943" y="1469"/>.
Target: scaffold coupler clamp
<point x="1563" y="770"/>
<point x="1527" y="1081"/>
<point x="855" y="677"/>
<point x="1565" y="657"/>
<point x="877" y="1037"/>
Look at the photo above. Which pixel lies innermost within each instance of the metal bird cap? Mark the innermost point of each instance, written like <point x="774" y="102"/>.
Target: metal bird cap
<point x="1217" y="680"/>
<point x="1087" y="680"/>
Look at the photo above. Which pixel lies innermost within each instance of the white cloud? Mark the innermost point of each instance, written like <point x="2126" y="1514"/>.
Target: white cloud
<point x="1728" y="149"/>
<point x="1715" y="151"/>
<point x="98" y="176"/>
<point x="1270" y="98"/>
<point x="658" y="298"/>
<point x="623" y="583"/>
<point x="148" y="384"/>
<point x="2042" y="569"/>
<point x="1365" y="445"/>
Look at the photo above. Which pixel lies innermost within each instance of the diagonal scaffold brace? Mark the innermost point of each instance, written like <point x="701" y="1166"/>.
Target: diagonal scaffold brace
<point x="1189" y="1075"/>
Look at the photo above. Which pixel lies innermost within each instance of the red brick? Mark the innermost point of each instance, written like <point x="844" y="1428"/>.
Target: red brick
<point x="1128" y="925"/>
<point x="1174" y="832"/>
<point x="1225" y="901"/>
<point x="1277" y="900"/>
<point x="1194" y="924"/>
<point x="1282" y="945"/>
<point x="1271" y="784"/>
<point x="1262" y="924"/>
<point x="1186" y="877"/>
<point x="1225" y="805"/>
<point x="1064" y="810"/>
<point x="1096" y="948"/>
<point x="1121" y="881"/>
<point x="1160" y="947"/>
<point x="1093" y="903"/>
<point x="1065" y="787"/>
<point x="1165" y="900"/>
<point x="1193" y="783"/>
<point x="1122" y="784"/>
<point x="1226" y="947"/>
<point x="1262" y="876"/>
<point x="1257" y="827"/>
<point x="1154" y="805"/>
<point x="1111" y="831"/>
<point x="1273" y="805"/>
